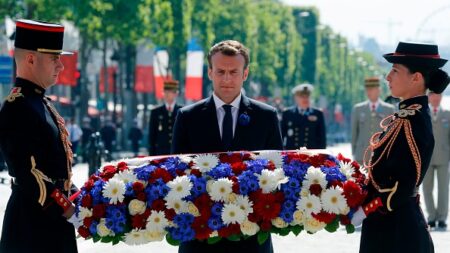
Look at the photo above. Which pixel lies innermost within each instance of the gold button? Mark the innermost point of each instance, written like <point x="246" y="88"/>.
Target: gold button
<point x="57" y="194"/>
<point x="61" y="200"/>
<point x="367" y="209"/>
<point x="65" y="204"/>
<point x="371" y="205"/>
<point x="376" y="202"/>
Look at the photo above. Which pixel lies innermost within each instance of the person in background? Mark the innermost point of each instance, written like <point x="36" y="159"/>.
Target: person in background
<point x="440" y="119"/>
<point x="135" y="136"/>
<point x="301" y="124"/>
<point x="75" y="133"/>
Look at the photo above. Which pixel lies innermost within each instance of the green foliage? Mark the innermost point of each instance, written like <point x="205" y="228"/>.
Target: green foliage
<point x="262" y="236"/>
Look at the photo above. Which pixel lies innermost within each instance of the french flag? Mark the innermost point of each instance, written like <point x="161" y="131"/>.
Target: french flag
<point x="194" y="71"/>
<point x="160" y="67"/>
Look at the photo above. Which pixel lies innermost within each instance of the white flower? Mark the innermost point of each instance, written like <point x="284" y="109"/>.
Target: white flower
<point x="178" y="205"/>
<point x="136" y="207"/>
<point x="102" y="230"/>
<point x="205" y="162"/>
<point x="279" y="222"/>
<point x="333" y="201"/>
<point x="153" y="236"/>
<point x="271" y="180"/>
<point x="249" y="228"/>
<point x="135" y="237"/>
<point x="245" y="204"/>
<point x="220" y="189"/>
<point x="312" y="225"/>
<point x="309" y="204"/>
<point x="180" y="187"/>
<point x="232" y="214"/>
<point x="346" y="169"/>
<point x="185" y="159"/>
<point x="315" y="176"/>
<point x="84" y="213"/>
<point x="157" y="221"/>
<point x="114" y="189"/>
<point x="125" y="176"/>
<point x="299" y="218"/>
<point x="273" y="156"/>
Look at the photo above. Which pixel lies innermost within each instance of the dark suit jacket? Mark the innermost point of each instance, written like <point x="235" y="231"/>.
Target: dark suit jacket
<point x="160" y="129"/>
<point x="196" y="130"/>
<point x="306" y="130"/>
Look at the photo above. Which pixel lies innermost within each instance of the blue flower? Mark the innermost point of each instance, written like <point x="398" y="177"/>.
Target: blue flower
<point x="257" y="165"/>
<point x="199" y="186"/>
<point x="217" y="209"/>
<point x="144" y="172"/>
<point x="333" y="173"/>
<point x="221" y="170"/>
<point x="289" y="205"/>
<point x="115" y="218"/>
<point x="129" y="192"/>
<point x="215" y="223"/>
<point x="183" y="219"/>
<point x="244" y="119"/>
<point x="172" y="164"/>
<point x="287" y="215"/>
<point x="93" y="227"/>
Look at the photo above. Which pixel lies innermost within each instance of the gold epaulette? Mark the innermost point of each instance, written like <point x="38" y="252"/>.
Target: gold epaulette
<point x="15" y="93"/>
<point x="409" y="111"/>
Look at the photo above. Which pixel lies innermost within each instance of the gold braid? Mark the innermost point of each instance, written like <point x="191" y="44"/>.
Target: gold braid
<point x="392" y="130"/>
<point x="66" y="143"/>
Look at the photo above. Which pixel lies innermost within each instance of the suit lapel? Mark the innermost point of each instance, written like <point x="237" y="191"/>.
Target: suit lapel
<point x="213" y="133"/>
<point x="241" y="131"/>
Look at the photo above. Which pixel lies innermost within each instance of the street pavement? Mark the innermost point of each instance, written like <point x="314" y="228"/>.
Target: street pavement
<point x="320" y="242"/>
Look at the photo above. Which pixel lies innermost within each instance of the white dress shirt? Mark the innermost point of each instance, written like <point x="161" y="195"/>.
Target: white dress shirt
<point x="171" y="106"/>
<point x="221" y="112"/>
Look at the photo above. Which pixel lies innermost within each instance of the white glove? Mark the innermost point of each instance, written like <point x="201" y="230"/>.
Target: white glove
<point x="76" y="222"/>
<point x="358" y="217"/>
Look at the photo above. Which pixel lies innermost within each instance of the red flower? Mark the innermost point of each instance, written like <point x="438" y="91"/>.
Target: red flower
<point x="336" y="183"/>
<point x="317" y="160"/>
<point x="86" y="201"/>
<point x="230" y="230"/>
<point x="354" y="194"/>
<point x="84" y="232"/>
<point x="98" y="211"/>
<point x="200" y="226"/>
<point x="138" y="221"/>
<point x="122" y="166"/>
<point x="170" y="213"/>
<point x="266" y="205"/>
<point x="271" y="166"/>
<point x="196" y="172"/>
<point x="329" y="163"/>
<point x="138" y="187"/>
<point x="159" y="205"/>
<point x="141" y="196"/>
<point x="160" y="173"/>
<point x="340" y="157"/>
<point x="325" y="217"/>
<point x="238" y="167"/>
<point x="108" y="172"/>
<point x="344" y="220"/>
<point x="204" y="203"/>
<point x="89" y="184"/>
<point x="88" y="221"/>
<point x="253" y="217"/>
<point x="234" y="157"/>
<point x="315" y="189"/>
<point x="266" y="225"/>
<point x="356" y="165"/>
<point x="295" y="156"/>
<point x="180" y="172"/>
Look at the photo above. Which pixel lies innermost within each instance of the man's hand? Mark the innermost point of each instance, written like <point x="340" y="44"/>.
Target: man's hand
<point x="358" y="217"/>
<point x="69" y="212"/>
<point x="76" y="222"/>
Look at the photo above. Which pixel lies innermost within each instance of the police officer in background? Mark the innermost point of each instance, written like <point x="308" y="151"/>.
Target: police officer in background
<point x="366" y="117"/>
<point x="162" y="119"/>
<point x="440" y="119"/>
<point x="36" y="147"/>
<point x="301" y="124"/>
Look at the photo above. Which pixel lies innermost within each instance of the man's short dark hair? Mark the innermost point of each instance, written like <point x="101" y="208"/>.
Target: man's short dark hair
<point x="229" y="48"/>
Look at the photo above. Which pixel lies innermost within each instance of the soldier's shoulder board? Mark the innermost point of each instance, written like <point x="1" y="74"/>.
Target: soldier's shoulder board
<point x="14" y="94"/>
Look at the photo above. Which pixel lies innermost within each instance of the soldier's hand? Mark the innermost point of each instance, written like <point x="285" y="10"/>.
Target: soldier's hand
<point x="76" y="222"/>
<point x="69" y="212"/>
<point x="358" y="217"/>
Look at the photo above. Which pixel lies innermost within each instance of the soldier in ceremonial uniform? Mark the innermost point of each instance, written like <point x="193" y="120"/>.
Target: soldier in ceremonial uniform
<point x="37" y="149"/>
<point x="440" y="119"/>
<point x="392" y="218"/>
<point x="366" y="117"/>
<point x="301" y="124"/>
<point x="162" y="119"/>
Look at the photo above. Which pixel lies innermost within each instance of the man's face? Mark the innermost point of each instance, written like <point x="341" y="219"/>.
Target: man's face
<point x="228" y="75"/>
<point x="302" y="100"/>
<point x="170" y="96"/>
<point x="435" y="99"/>
<point x="373" y="93"/>
<point x="46" y="69"/>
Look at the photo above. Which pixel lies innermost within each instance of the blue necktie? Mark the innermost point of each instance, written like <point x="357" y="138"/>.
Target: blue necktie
<point x="227" y="127"/>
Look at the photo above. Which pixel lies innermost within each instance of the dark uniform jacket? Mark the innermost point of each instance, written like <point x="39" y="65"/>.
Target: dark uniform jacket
<point x="307" y="130"/>
<point x="196" y="130"/>
<point x="33" y="148"/>
<point x="398" y="225"/>
<point x="161" y="128"/>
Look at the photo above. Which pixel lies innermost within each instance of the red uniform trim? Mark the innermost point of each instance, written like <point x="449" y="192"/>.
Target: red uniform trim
<point x="40" y="27"/>
<point x="61" y="199"/>
<point x="434" y="56"/>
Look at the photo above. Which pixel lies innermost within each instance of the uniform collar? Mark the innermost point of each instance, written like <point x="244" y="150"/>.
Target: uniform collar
<point x="29" y="87"/>
<point x="421" y="100"/>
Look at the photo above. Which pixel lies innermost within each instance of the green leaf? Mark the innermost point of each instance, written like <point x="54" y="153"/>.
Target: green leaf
<point x="333" y="226"/>
<point x="234" y="238"/>
<point x="213" y="240"/>
<point x="284" y="231"/>
<point x="107" y="239"/>
<point x="172" y="241"/>
<point x="297" y="229"/>
<point x="96" y="238"/>
<point x="116" y="240"/>
<point x="350" y="228"/>
<point x="262" y="237"/>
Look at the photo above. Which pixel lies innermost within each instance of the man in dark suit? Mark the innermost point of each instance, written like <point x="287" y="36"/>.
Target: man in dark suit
<point x="227" y="121"/>
<point x="301" y="124"/>
<point x="162" y="119"/>
<point x="36" y="147"/>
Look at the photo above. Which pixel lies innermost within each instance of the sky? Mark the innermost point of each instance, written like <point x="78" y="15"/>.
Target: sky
<point x="388" y="21"/>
